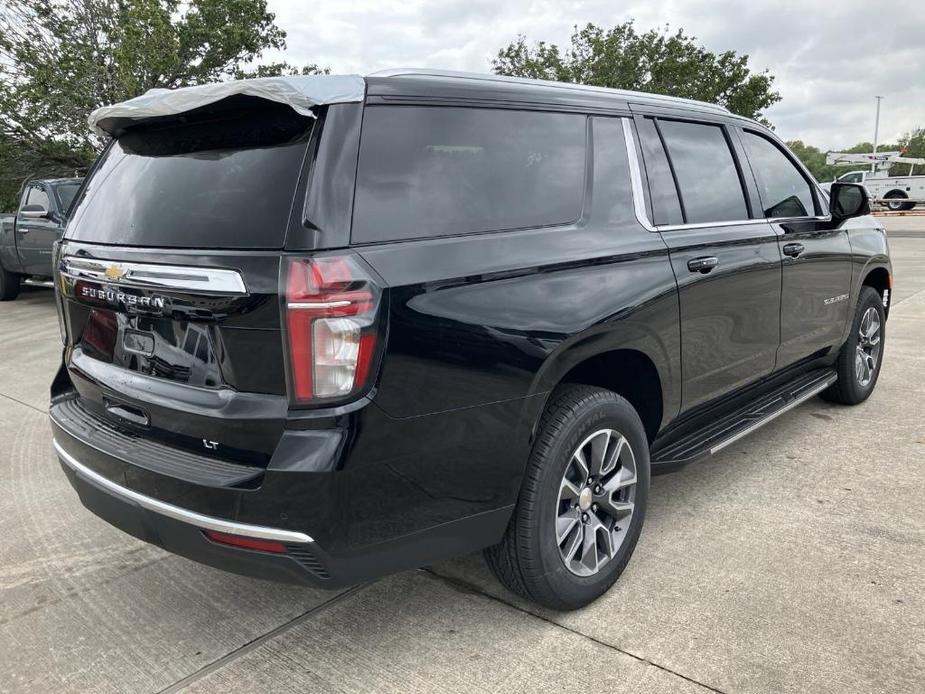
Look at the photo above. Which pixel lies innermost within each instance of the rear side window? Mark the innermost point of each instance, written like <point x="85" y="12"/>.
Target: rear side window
<point x="439" y="171"/>
<point x="665" y="204"/>
<point x="222" y="181"/>
<point x="783" y="189"/>
<point x="708" y="179"/>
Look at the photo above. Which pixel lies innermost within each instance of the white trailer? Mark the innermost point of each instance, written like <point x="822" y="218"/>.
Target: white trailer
<point x="895" y="192"/>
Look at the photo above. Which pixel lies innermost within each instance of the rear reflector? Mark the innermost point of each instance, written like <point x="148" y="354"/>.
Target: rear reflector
<point x="245" y="542"/>
<point x="331" y="310"/>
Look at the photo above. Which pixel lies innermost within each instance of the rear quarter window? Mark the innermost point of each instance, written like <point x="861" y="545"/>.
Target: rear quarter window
<point x="440" y="171"/>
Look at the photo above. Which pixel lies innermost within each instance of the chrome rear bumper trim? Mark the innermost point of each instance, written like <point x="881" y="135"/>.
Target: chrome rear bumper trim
<point x="176" y="512"/>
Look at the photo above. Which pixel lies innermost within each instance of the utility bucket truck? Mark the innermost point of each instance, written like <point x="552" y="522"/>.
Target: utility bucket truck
<point x="895" y="192"/>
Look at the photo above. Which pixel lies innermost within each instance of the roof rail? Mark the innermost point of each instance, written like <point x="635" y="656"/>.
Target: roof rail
<point x="487" y="77"/>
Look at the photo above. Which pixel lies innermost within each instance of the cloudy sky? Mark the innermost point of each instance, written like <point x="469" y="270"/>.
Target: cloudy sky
<point x="830" y="57"/>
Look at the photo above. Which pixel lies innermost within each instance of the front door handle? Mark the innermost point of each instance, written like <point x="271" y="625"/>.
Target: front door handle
<point x="793" y="249"/>
<point x="702" y="265"/>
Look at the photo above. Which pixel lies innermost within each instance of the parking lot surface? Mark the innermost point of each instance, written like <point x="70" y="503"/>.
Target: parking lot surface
<point x="793" y="561"/>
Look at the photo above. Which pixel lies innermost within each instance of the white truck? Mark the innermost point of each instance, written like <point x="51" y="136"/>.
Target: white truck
<point x="895" y="192"/>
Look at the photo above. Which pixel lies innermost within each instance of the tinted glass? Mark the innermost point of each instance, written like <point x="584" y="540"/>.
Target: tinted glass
<point x="37" y="196"/>
<point x="612" y="201"/>
<point x="665" y="204"/>
<point x="783" y="190"/>
<point x="853" y="177"/>
<point x="217" y="183"/>
<point x="435" y="171"/>
<point x="66" y="193"/>
<point x="706" y="172"/>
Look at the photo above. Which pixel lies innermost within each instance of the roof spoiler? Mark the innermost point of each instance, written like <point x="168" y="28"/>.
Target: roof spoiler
<point x="301" y="92"/>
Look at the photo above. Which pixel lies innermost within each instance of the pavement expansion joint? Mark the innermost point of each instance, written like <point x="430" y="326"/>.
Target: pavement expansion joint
<point x="470" y="588"/>
<point x="258" y="641"/>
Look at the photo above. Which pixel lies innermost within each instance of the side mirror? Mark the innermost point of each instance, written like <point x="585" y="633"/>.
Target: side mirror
<point x="33" y="212"/>
<point x="847" y="200"/>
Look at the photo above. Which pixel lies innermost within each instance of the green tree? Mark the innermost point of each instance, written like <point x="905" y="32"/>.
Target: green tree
<point x="48" y="159"/>
<point x="912" y="144"/>
<point x="657" y="61"/>
<point x="61" y="59"/>
<point x="814" y="160"/>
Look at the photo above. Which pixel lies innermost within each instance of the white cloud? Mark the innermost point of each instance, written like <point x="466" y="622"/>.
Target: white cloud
<point x="830" y="57"/>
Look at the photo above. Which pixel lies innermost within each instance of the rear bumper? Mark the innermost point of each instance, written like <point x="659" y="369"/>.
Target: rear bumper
<point x="176" y="512"/>
<point x="180" y="530"/>
<point x="307" y="499"/>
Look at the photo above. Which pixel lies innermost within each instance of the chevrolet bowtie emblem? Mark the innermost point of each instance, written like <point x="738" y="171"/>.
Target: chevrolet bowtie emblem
<point x="114" y="273"/>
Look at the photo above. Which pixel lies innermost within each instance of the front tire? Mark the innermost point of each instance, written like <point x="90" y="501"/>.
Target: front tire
<point x="861" y="356"/>
<point x="582" y="503"/>
<point x="9" y="284"/>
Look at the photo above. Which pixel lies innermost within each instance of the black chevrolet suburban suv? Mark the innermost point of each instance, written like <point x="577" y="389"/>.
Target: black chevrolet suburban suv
<point x="321" y="329"/>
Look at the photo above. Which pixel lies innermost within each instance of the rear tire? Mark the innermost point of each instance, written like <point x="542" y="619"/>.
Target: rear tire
<point x="861" y="356"/>
<point x="9" y="284"/>
<point x="570" y="538"/>
<point x="897" y="201"/>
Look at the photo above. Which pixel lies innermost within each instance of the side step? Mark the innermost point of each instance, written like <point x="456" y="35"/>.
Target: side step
<point x="731" y="427"/>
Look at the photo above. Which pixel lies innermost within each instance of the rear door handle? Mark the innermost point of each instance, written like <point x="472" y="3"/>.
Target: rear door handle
<point x="793" y="249"/>
<point x="702" y="265"/>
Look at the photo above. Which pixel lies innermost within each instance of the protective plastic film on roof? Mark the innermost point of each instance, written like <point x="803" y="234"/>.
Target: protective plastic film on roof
<point x="302" y="93"/>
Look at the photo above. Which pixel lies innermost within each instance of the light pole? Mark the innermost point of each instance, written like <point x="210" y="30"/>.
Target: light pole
<point x="873" y="165"/>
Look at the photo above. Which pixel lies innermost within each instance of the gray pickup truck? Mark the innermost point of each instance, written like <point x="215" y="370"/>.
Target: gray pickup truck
<point x="27" y="237"/>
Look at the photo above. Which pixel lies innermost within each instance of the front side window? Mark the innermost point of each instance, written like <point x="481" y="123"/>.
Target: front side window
<point x="853" y="177"/>
<point x="783" y="190"/>
<point x="439" y="171"/>
<point x="66" y="193"/>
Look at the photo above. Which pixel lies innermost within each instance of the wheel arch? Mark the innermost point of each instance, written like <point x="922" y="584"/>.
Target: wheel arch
<point x="880" y="279"/>
<point x="629" y="372"/>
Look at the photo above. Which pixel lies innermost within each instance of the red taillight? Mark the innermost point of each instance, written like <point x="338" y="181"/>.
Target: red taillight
<point x="331" y="309"/>
<point x="245" y="542"/>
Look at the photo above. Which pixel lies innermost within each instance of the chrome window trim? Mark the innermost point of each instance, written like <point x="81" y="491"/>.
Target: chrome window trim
<point x="151" y="275"/>
<point x="639" y="201"/>
<point x="710" y="225"/>
<point x="200" y="520"/>
<point x="814" y="218"/>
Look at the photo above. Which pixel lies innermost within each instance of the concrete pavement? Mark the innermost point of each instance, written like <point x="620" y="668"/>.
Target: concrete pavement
<point x="794" y="561"/>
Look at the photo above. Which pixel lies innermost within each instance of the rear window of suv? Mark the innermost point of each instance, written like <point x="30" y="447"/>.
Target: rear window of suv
<point x="215" y="180"/>
<point x="440" y="171"/>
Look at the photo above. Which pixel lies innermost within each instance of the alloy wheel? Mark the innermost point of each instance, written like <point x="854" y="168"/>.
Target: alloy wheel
<point x="868" y="350"/>
<point x="596" y="502"/>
